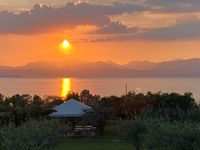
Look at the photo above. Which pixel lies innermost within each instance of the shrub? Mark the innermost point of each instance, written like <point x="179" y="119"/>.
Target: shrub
<point x="159" y="134"/>
<point x="33" y="135"/>
<point x="172" y="136"/>
<point x="174" y="107"/>
<point x="174" y="100"/>
<point x="132" y="130"/>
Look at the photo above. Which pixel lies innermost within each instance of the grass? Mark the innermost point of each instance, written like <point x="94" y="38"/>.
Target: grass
<point x="111" y="129"/>
<point x="100" y="143"/>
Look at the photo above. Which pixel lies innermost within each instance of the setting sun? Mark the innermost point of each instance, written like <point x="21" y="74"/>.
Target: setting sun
<point x="65" y="44"/>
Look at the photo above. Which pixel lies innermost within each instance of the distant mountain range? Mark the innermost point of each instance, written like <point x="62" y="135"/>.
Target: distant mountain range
<point x="82" y="69"/>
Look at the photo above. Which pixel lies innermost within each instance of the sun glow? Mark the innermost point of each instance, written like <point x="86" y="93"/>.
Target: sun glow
<point x="66" y="86"/>
<point x="65" y="45"/>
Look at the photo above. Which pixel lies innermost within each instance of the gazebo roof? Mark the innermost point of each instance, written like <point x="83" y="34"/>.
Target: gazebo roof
<point x="70" y="108"/>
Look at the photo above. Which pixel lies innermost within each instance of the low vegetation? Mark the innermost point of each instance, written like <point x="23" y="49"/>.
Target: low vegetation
<point x="159" y="121"/>
<point x="158" y="134"/>
<point x="32" y="135"/>
<point x="101" y="143"/>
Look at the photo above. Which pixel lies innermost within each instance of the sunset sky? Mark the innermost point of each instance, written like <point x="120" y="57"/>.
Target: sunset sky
<point x="98" y="30"/>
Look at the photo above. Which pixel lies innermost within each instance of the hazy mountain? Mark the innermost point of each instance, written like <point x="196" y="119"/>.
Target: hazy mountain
<point x="115" y="65"/>
<point x="140" y="65"/>
<point x="178" y="66"/>
<point x="63" y="69"/>
<point x="75" y="68"/>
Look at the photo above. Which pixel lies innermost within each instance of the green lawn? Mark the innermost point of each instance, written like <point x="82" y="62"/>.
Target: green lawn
<point x="102" y="143"/>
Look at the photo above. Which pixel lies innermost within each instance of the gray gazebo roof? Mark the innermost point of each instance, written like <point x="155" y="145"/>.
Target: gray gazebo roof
<point x="71" y="108"/>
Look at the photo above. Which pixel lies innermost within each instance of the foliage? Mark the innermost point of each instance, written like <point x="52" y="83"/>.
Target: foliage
<point x="73" y="95"/>
<point x="131" y="130"/>
<point x="89" y="99"/>
<point x="20" y="108"/>
<point x="33" y="135"/>
<point x="169" y="106"/>
<point x="130" y="105"/>
<point x="23" y="107"/>
<point x="174" y="100"/>
<point x="18" y="100"/>
<point x="166" y="121"/>
<point x="174" y="107"/>
<point x="159" y="134"/>
<point x="163" y="135"/>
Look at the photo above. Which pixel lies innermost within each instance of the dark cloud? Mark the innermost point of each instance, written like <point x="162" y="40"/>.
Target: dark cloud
<point x="179" y="31"/>
<point x="43" y="18"/>
<point x="182" y="30"/>
<point x="115" y="28"/>
<point x="173" y="6"/>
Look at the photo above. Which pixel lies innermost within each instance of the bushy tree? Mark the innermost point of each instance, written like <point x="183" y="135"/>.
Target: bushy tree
<point x="132" y="131"/>
<point x="164" y="135"/>
<point x="33" y="135"/>
<point x="159" y="134"/>
<point x="89" y="99"/>
<point x="73" y="95"/>
<point x="173" y="106"/>
<point x="20" y="108"/>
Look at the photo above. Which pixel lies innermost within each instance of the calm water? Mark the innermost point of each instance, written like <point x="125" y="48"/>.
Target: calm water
<point x="104" y="87"/>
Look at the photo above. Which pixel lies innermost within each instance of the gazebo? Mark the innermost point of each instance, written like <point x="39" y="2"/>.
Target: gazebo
<point x="70" y="109"/>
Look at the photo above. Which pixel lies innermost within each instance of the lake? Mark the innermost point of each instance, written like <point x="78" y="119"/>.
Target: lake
<point x="103" y="87"/>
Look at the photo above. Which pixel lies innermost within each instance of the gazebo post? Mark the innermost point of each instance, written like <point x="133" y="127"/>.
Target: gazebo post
<point x="74" y="121"/>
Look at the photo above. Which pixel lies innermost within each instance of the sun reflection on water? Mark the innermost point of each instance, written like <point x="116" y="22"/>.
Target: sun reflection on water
<point x="66" y="86"/>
